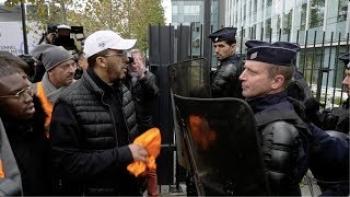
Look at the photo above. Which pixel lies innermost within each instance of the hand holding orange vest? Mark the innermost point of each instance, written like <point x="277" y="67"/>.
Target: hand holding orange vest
<point x="151" y="141"/>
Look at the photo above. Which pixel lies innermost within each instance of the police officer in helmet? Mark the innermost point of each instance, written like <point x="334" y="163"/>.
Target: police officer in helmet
<point x="225" y="82"/>
<point x="284" y="136"/>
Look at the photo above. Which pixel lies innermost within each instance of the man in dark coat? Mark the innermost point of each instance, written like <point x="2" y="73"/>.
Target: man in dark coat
<point x="142" y="84"/>
<point x="224" y="80"/>
<point x="284" y="136"/>
<point x="23" y="119"/>
<point x="94" y="123"/>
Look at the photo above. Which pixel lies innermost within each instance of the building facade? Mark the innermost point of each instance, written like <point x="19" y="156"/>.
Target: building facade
<point x="321" y="27"/>
<point x="265" y="18"/>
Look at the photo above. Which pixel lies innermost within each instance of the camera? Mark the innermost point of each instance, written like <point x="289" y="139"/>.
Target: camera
<point x="51" y="28"/>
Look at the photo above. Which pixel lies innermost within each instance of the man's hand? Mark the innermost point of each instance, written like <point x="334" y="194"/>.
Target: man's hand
<point x="138" y="152"/>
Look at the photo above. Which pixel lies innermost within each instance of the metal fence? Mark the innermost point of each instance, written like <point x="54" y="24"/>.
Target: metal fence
<point x="317" y="60"/>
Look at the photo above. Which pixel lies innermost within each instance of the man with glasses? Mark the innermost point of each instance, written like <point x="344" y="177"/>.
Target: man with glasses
<point x="94" y="123"/>
<point x="225" y="82"/>
<point x="23" y="119"/>
<point x="60" y="68"/>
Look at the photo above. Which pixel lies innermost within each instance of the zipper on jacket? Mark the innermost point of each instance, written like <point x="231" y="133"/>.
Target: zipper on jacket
<point x="112" y="117"/>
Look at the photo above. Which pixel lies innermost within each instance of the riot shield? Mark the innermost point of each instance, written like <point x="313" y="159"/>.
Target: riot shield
<point x="222" y="146"/>
<point x="190" y="78"/>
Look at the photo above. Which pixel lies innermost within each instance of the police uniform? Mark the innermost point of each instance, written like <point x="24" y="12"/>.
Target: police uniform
<point x="337" y="118"/>
<point x="225" y="82"/>
<point x="329" y="161"/>
<point x="284" y="135"/>
<point x="329" y="155"/>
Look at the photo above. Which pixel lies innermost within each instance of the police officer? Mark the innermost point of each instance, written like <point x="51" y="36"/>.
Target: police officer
<point x="329" y="155"/>
<point x="338" y="118"/>
<point x="225" y="82"/>
<point x="284" y="136"/>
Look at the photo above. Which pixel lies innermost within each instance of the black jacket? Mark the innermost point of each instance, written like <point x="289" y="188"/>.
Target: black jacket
<point x="145" y="93"/>
<point x="31" y="150"/>
<point x="336" y="118"/>
<point x="285" y="142"/>
<point x="225" y="80"/>
<point x="90" y="130"/>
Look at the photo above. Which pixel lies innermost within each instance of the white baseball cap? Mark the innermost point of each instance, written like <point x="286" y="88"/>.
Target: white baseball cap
<point x="106" y="39"/>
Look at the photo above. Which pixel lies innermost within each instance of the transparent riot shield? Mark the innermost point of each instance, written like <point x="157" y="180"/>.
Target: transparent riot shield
<point x="222" y="146"/>
<point x="190" y="78"/>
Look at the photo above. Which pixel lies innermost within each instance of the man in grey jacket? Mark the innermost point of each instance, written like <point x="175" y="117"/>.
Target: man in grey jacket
<point x="60" y="68"/>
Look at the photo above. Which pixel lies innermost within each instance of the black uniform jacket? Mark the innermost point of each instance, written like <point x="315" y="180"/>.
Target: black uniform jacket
<point x="225" y="80"/>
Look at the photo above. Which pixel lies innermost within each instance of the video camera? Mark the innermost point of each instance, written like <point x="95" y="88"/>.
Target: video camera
<point x="52" y="28"/>
<point x="61" y="35"/>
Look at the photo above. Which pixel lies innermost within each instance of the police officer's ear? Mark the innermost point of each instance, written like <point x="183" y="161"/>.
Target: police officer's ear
<point x="277" y="82"/>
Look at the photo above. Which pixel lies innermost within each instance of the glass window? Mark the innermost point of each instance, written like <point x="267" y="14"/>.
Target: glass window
<point x="175" y="9"/>
<point x="244" y="7"/>
<point x="255" y="8"/>
<point x="342" y="10"/>
<point x="303" y="17"/>
<point x="316" y="13"/>
<point x="269" y="3"/>
<point x="268" y="28"/>
<point x="191" y="9"/>
<point x="287" y="22"/>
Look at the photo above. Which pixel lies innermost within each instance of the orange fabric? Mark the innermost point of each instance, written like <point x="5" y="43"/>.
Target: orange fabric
<point x="201" y="132"/>
<point x="2" y="173"/>
<point x="151" y="141"/>
<point x="47" y="105"/>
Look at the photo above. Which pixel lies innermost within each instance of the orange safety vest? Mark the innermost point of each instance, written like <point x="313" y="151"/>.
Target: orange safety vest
<point x="2" y="173"/>
<point x="47" y="105"/>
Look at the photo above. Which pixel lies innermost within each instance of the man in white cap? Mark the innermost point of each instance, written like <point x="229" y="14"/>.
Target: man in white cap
<point x="94" y="123"/>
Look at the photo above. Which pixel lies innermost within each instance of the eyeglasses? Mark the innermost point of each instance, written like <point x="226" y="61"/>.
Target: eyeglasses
<point x="20" y="94"/>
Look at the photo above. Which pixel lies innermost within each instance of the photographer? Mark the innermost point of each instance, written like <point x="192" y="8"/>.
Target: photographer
<point x="64" y="39"/>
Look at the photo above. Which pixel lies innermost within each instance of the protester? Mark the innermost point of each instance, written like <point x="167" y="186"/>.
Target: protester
<point x="63" y="38"/>
<point x="23" y="119"/>
<point x="60" y="68"/>
<point x="10" y="177"/>
<point x="94" y="123"/>
<point x="142" y="84"/>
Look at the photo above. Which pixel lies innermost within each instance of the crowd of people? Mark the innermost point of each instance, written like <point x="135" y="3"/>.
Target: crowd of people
<point x="64" y="133"/>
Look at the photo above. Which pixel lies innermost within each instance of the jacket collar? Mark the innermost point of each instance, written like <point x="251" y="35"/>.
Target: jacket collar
<point x="262" y="103"/>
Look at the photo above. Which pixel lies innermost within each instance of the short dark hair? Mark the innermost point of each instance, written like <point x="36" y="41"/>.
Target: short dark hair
<point x="285" y="71"/>
<point x="8" y="59"/>
<point x="92" y="59"/>
<point x="10" y="64"/>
